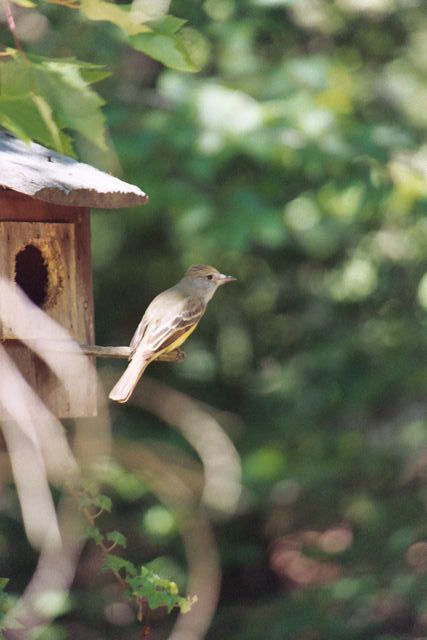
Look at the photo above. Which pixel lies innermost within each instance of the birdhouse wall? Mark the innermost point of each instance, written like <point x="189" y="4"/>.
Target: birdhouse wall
<point x="45" y="248"/>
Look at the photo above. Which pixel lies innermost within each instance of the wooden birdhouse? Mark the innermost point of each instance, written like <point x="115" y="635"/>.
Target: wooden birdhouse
<point x="45" y="248"/>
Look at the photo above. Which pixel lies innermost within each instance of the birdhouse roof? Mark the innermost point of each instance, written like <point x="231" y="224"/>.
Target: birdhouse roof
<point x="52" y="177"/>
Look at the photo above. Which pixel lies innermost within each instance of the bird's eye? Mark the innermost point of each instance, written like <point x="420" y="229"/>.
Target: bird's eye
<point x="210" y="276"/>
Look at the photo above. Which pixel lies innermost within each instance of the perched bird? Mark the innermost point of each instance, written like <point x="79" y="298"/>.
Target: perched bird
<point x="168" y="321"/>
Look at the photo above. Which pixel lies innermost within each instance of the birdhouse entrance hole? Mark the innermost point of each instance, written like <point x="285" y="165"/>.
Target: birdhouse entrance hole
<point x="39" y="265"/>
<point x="31" y="274"/>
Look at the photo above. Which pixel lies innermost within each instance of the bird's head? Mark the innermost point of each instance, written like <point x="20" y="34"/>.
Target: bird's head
<point x="205" y="279"/>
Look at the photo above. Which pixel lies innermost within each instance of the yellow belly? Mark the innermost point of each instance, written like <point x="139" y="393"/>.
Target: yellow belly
<point x="179" y="341"/>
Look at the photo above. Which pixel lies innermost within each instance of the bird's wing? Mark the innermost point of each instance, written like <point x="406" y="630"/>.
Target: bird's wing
<point x="156" y="310"/>
<point x="138" y="335"/>
<point x="166" y="321"/>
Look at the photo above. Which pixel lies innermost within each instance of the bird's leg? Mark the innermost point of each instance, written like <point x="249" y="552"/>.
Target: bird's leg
<point x="172" y="356"/>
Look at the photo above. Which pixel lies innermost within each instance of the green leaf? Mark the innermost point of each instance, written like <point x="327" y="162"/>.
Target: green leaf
<point x="104" y="502"/>
<point x="182" y="49"/>
<point x="24" y="3"/>
<point x="23" y="117"/>
<point x="157" y="599"/>
<point x="93" y="533"/>
<point x="46" y="114"/>
<point x="4" y="582"/>
<point x="51" y="96"/>
<point x="76" y="105"/>
<point x="168" y="25"/>
<point x="196" y="46"/>
<point x="116" y="563"/>
<point x="17" y="77"/>
<point x="117" y="538"/>
<point x="157" y="591"/>
<point x="93" y="74"/>
<point x="131" y="22"/>
<point x="88" y="70"/>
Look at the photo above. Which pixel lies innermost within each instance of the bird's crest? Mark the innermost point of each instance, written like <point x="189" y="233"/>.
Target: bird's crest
<point x="200" y="270"/>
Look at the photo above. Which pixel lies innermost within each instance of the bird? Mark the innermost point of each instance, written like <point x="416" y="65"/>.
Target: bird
<point x="167" y="322"/>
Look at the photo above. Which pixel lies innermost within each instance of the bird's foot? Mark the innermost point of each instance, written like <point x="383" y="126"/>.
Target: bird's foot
<point x="172" y="356"/>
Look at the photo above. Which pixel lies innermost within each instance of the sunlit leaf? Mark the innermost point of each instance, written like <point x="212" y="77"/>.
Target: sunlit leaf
<point x="28" y="118"/>
<point x="76" y="105"/>
<point x="24" y="3"/>
<point x="123" y="17"/>
<point x="157" y="591"/>
<point x="41" y="98"/>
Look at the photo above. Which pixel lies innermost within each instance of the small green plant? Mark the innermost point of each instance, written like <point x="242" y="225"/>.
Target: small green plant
<point x="140" y="584"/>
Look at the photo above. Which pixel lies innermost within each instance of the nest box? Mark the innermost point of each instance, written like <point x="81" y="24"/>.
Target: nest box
<point x="45" y="199"/>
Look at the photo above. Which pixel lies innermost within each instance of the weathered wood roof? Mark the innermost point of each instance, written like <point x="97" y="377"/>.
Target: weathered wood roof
<point x="46" y="175"/>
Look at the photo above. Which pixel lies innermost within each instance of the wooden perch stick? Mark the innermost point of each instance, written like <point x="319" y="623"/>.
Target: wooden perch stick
<point x="120" y="353"/>
<point x="124" y="352"/>
<point x="105" y="352"/>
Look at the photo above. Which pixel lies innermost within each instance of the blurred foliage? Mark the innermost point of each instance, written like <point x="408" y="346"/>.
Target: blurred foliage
<point x="296" y="160"/>
<point x="4" y="602"/>
<point x="43" y="99"/>
<point x="143" y="587"/>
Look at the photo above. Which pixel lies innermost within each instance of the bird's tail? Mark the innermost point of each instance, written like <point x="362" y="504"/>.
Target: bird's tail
<point x="123" y="389"/>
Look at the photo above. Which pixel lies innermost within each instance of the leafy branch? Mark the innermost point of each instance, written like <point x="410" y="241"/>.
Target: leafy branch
<point x="143" y="587"/>
<point x="45" y="99"/>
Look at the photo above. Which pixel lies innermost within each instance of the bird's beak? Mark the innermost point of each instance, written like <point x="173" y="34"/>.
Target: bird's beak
<point x="222" y="279"/>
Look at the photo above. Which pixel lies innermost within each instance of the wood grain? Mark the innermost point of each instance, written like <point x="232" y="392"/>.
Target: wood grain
<point x="62" y="234"/>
